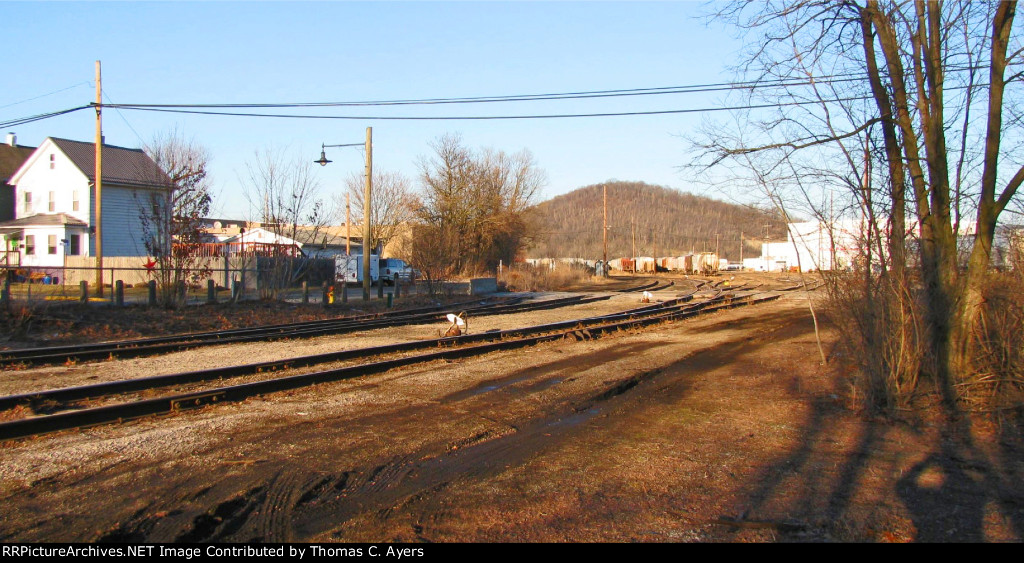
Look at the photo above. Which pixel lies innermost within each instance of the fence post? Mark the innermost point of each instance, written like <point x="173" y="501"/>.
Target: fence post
<point x="84" y="296"/>
<point x="211" y="291"/>
<point x="119" y="293"/>
<point x="234" y="290"/>
<point x="323" y="290"/>
<point x="5" y="294"/>
<point x="152" y="293"/>
<point x="398" y="287"/>
<point x="390" y="300"/>
<point x="305" y="292"/>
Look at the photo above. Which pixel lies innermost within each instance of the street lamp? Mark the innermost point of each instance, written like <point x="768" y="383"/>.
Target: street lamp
<point x="368" y="145"/>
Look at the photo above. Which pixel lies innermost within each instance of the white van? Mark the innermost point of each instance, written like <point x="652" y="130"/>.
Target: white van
<point x="349" y="269"/>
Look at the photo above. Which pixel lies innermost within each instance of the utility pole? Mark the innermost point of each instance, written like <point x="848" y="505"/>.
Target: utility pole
<point x="741" y="249"/>
<point x="348" y="226"/>
<point x="366" y="214"/>
<point x="716" y="244"/>
<point x="99" y="184"/>
<point x="604" y="269"/>
<point x="632" y="228"/>
<point x="764" y="249"/>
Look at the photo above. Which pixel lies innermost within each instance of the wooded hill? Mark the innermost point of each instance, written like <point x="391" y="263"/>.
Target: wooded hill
<point x="663" y="221"/>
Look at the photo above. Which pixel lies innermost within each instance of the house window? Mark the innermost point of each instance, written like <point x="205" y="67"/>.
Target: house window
<point x="51" y="244"/>
<point x="53" y="161"/>
<point x="28" y="202"/>
<point x="74" y="245"/>
<point x="30" y="244"/>
<point x="53" y="202"/>
<point x="74" y="200"/>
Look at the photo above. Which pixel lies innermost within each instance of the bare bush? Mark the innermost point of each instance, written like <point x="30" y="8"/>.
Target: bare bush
<point x="881" y="328"/>
<point x="996" y="381"/>
<point x="542" y="278"/>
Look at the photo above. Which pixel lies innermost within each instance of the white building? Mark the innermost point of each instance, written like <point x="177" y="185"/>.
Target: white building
<point x="811" y="245"/>
<point x="54" y="193"/>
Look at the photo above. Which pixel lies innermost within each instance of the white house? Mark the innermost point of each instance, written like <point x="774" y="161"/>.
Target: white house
<point x="54" y="203"/>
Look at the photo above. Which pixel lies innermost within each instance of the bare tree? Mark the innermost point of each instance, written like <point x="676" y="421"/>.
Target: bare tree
<point x="285" y="196"/>
<point x="392" y="205"/>
<point x="838" y="69"/>
<point x="433" y="252"/>
<point x="171" y="218"/>
<point x="482" y="198"/>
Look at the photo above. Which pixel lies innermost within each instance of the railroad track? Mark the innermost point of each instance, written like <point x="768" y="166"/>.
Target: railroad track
<point x="643" y="287"/>
<point x="309" y="329"/>
<point x="443" y="348"/>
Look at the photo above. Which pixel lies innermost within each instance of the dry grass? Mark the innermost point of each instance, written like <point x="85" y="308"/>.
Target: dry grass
<point x="996" y="384"/>
<point x="881" y="328"/>
<point x="884" y="338"/>
<point x="542" y="278"/>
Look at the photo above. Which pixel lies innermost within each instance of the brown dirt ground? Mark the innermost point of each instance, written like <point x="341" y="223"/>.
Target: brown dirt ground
<point x="721" y="428"/>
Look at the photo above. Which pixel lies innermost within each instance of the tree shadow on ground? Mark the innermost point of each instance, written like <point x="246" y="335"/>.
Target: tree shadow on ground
<point x="858" y="477"/>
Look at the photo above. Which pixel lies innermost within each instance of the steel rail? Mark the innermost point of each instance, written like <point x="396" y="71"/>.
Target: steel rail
<point x="340" y="326"/>
<point x="11" y="354"/>
<point x="125" y="411"/>
<point x="148" y="383"/>
<point x="638" y="288"/>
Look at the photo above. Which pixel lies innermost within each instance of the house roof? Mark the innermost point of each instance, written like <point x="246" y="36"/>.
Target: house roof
<point x="42" y="220"/>
<point x="326" y="236"/>
<point x="11" y="159"/>
<point x="120" y="165"/>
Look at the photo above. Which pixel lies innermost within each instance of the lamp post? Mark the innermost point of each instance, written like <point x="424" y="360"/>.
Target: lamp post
<point x="368" y="146"/>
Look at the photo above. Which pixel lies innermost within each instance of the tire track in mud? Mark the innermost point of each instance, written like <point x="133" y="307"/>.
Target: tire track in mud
<point x="293" y="505"/>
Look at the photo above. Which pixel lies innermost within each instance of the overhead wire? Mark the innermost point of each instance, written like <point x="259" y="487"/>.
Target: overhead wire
<point x="41" y="116"/>
<point x="208" y="109"/>
<point x="490" y="117"/>
<point x="86" y="83"/>
<point x="585" y="94"/>
<point x="692" y="89"/>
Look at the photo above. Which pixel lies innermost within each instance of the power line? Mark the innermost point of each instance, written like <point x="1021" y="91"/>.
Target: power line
<point x="123" y="118"/>
<point x="491" y="117"/>
<point x="552" y="96"/>
<point x="41" y="116"/>
<point x="86" y="83"/>
<point x="699" y="88"/>
<point x="206" y="109"/>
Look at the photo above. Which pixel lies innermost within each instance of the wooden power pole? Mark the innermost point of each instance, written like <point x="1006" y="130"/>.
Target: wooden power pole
<point x="99" y="185"/>
<point x="604" y="270"/>
<point x="632" y="228"/>
<point x="366" y="214"/>
<point x="348" y="226"/>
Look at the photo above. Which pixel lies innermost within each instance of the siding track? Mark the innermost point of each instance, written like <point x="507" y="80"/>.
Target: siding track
<point x="443" y="348"/>
<point x="159" y="345"/>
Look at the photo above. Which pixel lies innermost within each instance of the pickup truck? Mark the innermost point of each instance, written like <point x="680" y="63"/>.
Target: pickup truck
<point x="393" y="268"/>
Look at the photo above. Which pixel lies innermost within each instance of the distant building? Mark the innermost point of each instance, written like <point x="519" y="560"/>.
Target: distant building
<point x="817" y="245"/>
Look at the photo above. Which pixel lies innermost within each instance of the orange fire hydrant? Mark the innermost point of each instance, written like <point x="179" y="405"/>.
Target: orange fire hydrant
<point x="330" y="295"/>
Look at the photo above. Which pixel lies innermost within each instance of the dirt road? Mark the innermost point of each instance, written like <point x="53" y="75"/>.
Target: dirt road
<point x="721" y="428"/>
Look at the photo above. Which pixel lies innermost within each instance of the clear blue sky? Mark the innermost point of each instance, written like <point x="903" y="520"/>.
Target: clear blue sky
<point x="233" y="52"/>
